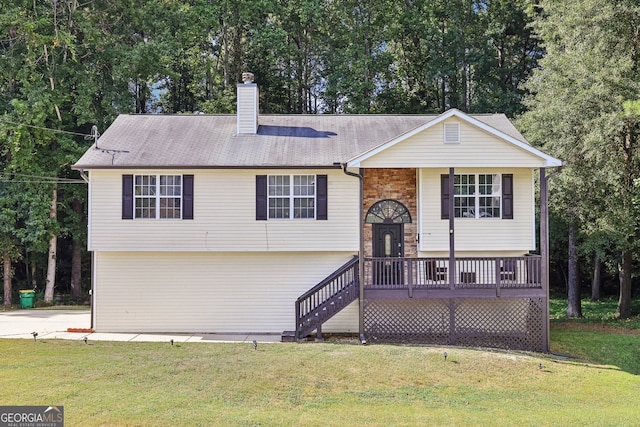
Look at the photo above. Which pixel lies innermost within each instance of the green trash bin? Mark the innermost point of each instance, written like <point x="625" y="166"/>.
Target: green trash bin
<point x="26" y="298"/>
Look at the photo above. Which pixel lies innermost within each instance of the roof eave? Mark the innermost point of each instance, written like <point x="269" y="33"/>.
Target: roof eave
<point x="169" y="167"/>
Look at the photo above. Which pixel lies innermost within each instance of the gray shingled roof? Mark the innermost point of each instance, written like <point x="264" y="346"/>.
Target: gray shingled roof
<point x="282" y="140"/>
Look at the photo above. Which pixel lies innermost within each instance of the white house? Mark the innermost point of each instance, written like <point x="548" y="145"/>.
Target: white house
<point x="396" y="227"/>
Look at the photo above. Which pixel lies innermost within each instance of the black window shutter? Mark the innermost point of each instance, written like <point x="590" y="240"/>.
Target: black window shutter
<point x="261" y="197"/>
<point x="444" y="200"/>
<point x="507" y="196"/>
<point x="127" y="196"/>
<point x="187" y="196"/>
<point x="321" y="197"/>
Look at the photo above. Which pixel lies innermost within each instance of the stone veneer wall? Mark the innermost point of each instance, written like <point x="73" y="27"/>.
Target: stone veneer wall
<point x="394" y="184"/>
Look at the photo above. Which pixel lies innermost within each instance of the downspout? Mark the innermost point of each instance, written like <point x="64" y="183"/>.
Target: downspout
<point x="85" y="178"/>
<point x="358" y="175"/>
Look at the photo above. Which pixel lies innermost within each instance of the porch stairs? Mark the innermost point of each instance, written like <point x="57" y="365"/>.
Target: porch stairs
<point x="325" y="300"/>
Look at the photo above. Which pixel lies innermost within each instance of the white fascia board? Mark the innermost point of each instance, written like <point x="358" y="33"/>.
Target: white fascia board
<point x="550" y="161"/>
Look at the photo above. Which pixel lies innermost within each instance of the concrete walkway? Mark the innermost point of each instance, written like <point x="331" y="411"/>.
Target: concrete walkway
<point x="54" y="324"/>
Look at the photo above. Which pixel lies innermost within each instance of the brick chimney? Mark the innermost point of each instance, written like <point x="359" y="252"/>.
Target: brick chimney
<point x="247" y="117"/>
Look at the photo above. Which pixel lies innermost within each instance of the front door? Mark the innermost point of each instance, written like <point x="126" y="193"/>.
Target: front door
<point x="388" y="242"/>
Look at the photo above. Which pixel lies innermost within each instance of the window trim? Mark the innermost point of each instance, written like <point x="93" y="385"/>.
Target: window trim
<point x="290" y="197"/>
<point x="262" y="198"/>
<point x="157" y="196"/>
<point x="506" y="196"/>
<point x="129" y="198"/>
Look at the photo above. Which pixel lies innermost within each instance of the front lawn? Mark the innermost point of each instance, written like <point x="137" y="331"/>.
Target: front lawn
<point x="310" y="384"/>
<point x="591" y="378"/>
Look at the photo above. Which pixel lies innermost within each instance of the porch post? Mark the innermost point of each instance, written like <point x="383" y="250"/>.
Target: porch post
<point x="361" y="261"/>
<point x="544" y="248"/>
<point x="452" y="259"/>
<point x="452" y="251"/>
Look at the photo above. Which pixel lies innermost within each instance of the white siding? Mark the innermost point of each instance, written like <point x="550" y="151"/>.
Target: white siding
<point x="247" y="114"/>
<point x="480" y="235"/>
<point x="476" y="148"/>
<point x="210" y="292"/>
<point x="224" y="216"/>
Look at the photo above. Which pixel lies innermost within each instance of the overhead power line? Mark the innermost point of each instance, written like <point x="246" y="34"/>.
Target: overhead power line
<point x="88" y="136"/>
<point x="35" y="179"/>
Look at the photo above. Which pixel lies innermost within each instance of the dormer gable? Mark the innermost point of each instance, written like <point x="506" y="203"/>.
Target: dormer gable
<point x="455" y="139"/>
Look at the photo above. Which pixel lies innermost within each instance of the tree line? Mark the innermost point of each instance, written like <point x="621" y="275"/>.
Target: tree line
<point x="67" y="65"/>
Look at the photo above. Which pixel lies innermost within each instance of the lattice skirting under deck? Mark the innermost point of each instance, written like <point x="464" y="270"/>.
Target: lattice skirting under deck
<point x="511" y="323"/>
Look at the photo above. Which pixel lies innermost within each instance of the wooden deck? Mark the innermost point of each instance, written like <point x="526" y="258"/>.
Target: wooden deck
<point x="493" y="302"/>
<point x="397" y="278"/>
<point x="489" y="302"/>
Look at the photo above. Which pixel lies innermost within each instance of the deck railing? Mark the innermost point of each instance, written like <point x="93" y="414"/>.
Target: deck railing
<point x="326" y="299"/>
<point x="416" y="277"/>
<point x="469" y="273"/>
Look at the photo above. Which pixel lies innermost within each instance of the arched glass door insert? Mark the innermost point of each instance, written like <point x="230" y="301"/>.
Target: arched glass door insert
<point x="388" y="211"/>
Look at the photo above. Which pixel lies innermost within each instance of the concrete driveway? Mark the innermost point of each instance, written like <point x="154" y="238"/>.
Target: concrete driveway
<point x="55" y="324"/>
<point x="47" y="323"/>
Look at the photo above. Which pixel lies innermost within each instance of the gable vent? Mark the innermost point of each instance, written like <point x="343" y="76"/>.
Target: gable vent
<point x="451" y="133"/>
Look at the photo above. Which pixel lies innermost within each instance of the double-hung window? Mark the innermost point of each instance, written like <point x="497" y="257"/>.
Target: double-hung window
<point x="477" y="196"/>
<point x="157" y="196"/>
<point x="291" y="197"/>
<point x="488" y="195"/>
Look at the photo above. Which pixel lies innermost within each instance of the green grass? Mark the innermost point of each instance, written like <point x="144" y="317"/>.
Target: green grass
<point x="606" y="346"/>
<point x="311" y="384"/>
<point x="596" y="312"/>
<point x="337" y="383"/>
<point x="599" y="336"/>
